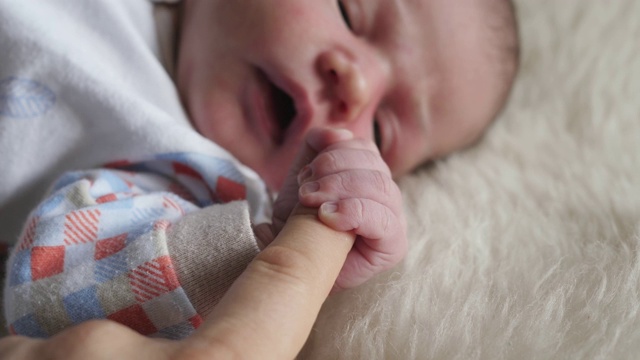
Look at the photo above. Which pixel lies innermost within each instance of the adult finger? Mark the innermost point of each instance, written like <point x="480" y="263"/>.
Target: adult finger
<point x="97" y="339"/>
<point x="270" y="309"/>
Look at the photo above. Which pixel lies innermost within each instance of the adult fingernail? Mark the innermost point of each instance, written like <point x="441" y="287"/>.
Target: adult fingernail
<point x="329" y="207"/>
<point x="304" y="174"/>
<point x="343" y="133"/>
<point x="309" y="188"/>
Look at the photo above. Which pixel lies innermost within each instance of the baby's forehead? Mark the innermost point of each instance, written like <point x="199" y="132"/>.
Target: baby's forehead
<point x="495" y="16"/>
<point x="483" y="32"/>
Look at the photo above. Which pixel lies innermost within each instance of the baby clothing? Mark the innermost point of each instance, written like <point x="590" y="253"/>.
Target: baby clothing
<point x="157" y="231"/>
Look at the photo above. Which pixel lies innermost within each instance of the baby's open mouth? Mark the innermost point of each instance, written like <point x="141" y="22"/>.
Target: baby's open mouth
<point x="284" y="110"/>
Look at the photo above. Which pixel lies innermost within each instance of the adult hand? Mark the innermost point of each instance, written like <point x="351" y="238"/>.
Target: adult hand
<point x="266" y="314"/>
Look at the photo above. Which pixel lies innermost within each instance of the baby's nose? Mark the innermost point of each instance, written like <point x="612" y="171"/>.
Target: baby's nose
<point x="346" y="85"/>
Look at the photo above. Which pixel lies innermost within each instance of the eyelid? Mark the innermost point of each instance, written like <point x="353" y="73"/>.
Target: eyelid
<point x="358" y="16"/>
<point x="353" y="8"/>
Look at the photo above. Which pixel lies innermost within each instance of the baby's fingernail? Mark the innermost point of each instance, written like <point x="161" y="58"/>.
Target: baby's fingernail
<point x="304" y="174"/>
<point x="309" y="188"/>
<point x="329" y="207"/>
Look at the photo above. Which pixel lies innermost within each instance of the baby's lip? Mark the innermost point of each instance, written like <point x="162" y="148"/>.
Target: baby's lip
<point x="260" y="107"/>
<point x="284" y="131"/>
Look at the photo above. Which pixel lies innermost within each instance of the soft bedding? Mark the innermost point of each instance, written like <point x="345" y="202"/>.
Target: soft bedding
<point x="525" y="246"/>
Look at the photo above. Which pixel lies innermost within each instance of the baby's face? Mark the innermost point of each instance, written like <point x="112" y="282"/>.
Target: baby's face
<point x="413" y="75"/>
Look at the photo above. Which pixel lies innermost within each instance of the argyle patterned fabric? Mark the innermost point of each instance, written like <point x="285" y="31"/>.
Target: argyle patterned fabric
<point x="96" y="248"/>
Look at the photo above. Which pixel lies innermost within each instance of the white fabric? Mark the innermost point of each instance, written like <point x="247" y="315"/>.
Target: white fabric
<point x="81" y="85"/>
<point x="527" y="246"/>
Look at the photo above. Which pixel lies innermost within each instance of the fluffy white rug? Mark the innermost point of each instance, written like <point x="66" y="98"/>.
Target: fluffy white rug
<point x="525" y="247"/>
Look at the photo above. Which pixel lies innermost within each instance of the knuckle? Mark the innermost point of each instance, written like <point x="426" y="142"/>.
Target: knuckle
<point x="389" y="223"/>
<point x="281" y="263"/>
<point x="359" y="212"/>
<point x="355" y="182"/>
<point x="344" y="181"/>
<point x="335" y="184"/>
<point x="326" y="162"/>
<point x="383" y="183"/>
<point x="72" y="341"/>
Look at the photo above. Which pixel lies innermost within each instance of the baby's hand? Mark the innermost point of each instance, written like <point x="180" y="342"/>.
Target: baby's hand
<point x="353" y="187"/>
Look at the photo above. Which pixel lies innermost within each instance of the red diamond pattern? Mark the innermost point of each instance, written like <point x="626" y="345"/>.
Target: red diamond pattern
<point x="136" y="318"/>
<point x="81" y="226"/>
<point x="46" y="261"/>
<point x="29" y="234"/>
<point x="229" y="190"/>
<point x="153" y="279"/>
<point x="108" y="247"/>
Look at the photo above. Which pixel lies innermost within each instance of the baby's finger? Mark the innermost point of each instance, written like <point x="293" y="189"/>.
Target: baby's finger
<point x="288" y="195"/>
<point x="333" y="161"/>
<point x="374" y="222"/>
<point x="361" y="265"/>
<point x="365" y="184"/>
<point x="381" y="243"/>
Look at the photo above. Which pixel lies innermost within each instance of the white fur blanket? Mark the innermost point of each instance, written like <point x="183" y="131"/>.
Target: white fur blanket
<point x="526" y="246"/>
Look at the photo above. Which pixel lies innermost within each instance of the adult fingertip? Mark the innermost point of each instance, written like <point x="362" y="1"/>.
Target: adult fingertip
<point x="341" y="133"/>
<point x="320" y="138"/>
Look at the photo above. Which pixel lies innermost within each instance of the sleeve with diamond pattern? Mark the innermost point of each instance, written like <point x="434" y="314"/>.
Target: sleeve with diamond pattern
<point x="153" y="245"/>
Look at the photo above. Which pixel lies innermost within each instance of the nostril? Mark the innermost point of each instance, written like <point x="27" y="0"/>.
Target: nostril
<point x="343" y="107"/>
<point x="344" y="83"/>
<point x="333" y="76"/>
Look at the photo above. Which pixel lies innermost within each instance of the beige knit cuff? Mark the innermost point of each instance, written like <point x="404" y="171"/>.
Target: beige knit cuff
<point x="210" y="249"/>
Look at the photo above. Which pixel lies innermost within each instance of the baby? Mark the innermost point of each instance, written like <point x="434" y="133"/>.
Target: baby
<point x="164" y="237"/>
<point x="420" y="78"/>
